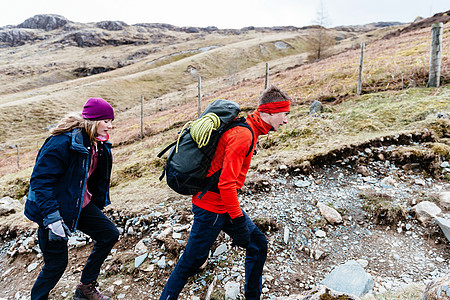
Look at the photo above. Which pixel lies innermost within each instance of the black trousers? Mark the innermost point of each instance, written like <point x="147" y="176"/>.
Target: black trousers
<point x="92" y="222"/>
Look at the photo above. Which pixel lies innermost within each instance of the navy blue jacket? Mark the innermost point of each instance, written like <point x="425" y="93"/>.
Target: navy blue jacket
<point x="58" y="180"/>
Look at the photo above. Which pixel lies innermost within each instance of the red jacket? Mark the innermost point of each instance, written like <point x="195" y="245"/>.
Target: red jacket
<point x="231" y="156"/>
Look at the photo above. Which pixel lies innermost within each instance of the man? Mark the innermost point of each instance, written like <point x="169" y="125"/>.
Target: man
<point x="218" y="208"/>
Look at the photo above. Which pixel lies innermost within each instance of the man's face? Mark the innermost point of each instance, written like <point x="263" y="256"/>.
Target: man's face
<point x="277" y="120"/>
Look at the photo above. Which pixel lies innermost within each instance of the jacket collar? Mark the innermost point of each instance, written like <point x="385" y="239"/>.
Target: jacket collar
<point x="258" y="125"/>
<point x="79" y="139"/>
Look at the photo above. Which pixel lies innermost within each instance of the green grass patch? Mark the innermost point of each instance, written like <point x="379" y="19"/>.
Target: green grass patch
<point x="382" y="209"/>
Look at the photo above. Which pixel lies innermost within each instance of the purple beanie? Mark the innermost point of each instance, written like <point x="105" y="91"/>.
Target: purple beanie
<point x="97" y="109"/>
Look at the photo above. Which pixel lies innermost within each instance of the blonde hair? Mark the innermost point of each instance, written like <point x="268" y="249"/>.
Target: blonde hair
<point x="75" y="120"/>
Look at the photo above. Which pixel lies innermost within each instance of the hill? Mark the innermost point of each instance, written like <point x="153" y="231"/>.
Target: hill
<point x="397" y="128"/>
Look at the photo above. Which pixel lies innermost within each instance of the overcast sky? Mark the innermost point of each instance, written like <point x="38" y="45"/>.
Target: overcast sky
<point x="224" y="13"/>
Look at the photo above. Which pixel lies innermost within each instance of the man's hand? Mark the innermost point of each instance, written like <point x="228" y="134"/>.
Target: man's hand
<point x="58" y="231"/>
<point x="240" y="232"/>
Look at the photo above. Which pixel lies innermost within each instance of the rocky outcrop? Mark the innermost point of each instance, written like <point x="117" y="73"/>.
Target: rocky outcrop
<point x="111" y="25"/>
<point x="367" y="27"/>
<point x="16" y="37"/>
<point x="98" y="39"/>
<point x="443" y="17"/>
<point x="46" y="22"/>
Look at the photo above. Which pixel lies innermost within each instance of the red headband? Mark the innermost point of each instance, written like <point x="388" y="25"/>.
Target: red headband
<point x="275" y="107"/>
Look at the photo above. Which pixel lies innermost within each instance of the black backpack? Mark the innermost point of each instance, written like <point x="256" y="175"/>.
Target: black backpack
<point x="188" y="162"/>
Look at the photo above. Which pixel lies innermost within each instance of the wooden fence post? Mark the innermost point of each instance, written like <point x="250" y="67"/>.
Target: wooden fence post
<point x="18" y="157"/>
<point x="266" y="85"/>
<point x="142" y="117"/>
<point x="361" y="62"/>
<point x="435" y="55"/>
<point x="199" y="96"/>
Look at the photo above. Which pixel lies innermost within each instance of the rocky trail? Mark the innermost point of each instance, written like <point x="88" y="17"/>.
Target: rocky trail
<point x="375" y="221"/>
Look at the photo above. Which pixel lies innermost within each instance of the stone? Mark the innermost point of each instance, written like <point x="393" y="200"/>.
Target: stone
<point x="426" y="211"/>
<point x="232" y="290"/>
<point x="438" y="289"/>
<point x="364" y="263"/>
<point x="150" y="268"/>
<point x="76" y="241"/>
<point x="318" y="254"/>
<point x="286" y="234"/>
<point x="181" y="228"/>
<point x="32" y="266"/>
<point x="8" y="206"/>
<point x="164" y="233"/>
<point x="162" y="263"/>
<point x="29" y="242"/>
<point x="302" y="183"/>
<point x="315" y="107"/>
<point x="6" y="272"/>
<point x="329" y="213"/>
<point x="139" y="260"/>
<point x="320" y="233"/>
<point x="388" y="182"/>
<point x="349" y="278"/>
<point x="444" y="200"/>
<point x="140" y="246"/>
<point x="220" y="250"/>
<point x="445" y="226"/>
<point x="363" y="171"/>
<point x="420" y="182"/>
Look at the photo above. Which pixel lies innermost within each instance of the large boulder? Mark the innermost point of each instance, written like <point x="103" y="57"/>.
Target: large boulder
<point x="8" y="206"/>
<point x="349" y="278"/>
<point x="46" y="22"/>
<point x="16" y="37"/>
<point x="426" y="211"/>
<point x="445" y="226"/>
<point x="329" y="213"/>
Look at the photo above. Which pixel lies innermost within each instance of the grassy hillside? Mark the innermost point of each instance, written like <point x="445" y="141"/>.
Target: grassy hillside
<point x="394" y="101"/>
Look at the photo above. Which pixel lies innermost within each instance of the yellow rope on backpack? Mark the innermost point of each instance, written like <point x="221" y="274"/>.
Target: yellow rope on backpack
<point x="201" y="129"/>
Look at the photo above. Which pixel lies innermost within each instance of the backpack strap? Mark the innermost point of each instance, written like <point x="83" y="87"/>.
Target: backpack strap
<point x="168" y="147"/>
<point x="213" y="180"/>
<point x="160" y="154"/>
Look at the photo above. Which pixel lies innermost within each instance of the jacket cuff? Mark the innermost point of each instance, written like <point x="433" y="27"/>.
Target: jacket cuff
<point x="52" y="218"/>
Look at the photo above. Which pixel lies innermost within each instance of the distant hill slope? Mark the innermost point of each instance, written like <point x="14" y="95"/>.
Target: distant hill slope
<point x="49" y="64"/>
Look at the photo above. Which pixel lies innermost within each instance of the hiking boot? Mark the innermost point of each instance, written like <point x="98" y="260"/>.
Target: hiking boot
<point x="88" y="291"/>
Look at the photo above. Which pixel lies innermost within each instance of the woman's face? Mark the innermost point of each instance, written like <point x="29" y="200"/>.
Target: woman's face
<point x="103" y="127"/>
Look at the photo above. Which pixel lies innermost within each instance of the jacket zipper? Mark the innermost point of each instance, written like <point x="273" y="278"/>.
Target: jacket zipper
<point x="83" y="189"/>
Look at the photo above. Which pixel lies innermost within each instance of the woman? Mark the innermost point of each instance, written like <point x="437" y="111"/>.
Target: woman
<point x="68" y="188"/>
